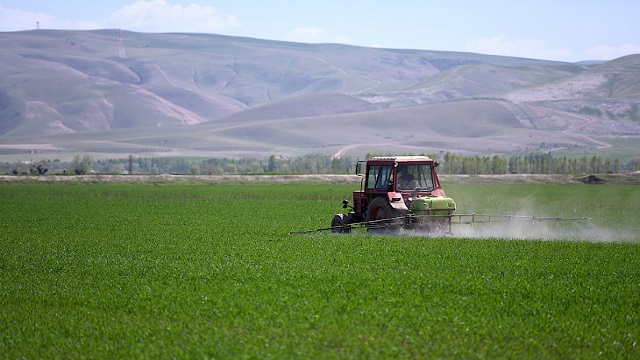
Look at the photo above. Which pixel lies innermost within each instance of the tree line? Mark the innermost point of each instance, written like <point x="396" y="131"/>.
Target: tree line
<point x="533" y="164"/>
<point x="449" y="163"/>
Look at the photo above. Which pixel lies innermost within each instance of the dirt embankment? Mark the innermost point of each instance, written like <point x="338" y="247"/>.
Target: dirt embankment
<point x="630" y="179"/>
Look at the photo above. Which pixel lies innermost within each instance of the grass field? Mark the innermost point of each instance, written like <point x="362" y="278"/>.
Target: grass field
<point x="209" y="271"/>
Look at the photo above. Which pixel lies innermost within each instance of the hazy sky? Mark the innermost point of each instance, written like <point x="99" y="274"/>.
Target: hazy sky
<point x="565" y="30"/>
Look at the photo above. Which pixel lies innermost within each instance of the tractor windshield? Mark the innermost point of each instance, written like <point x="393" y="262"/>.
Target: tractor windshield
<point x="413" y="176"/>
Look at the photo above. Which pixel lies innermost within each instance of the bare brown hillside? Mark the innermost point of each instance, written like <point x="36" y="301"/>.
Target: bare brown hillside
<point x="112" y="93"/>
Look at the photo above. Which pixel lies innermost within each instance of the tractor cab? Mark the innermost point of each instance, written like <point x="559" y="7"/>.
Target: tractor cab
<point x="400" y="179"/>
<point x="393" y="187"/>
<point x="410" y="174"/>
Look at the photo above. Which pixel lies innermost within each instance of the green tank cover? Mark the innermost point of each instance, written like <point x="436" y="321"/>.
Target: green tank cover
<point x="444" y="204"/>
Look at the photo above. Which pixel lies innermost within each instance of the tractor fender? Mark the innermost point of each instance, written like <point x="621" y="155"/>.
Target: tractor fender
<point x="396" y="201"/>
<point x="438" y="192"/>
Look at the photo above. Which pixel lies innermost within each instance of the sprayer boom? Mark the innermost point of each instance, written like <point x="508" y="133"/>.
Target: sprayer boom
<point x="412" y="221"/>
<point x="489" y="218"/>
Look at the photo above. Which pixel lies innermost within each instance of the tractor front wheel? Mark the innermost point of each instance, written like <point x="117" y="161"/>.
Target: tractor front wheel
<point x="378" y="211"/>
<point x="340" y="224"/>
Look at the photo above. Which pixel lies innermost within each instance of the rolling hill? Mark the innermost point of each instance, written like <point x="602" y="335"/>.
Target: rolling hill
<point x="112" y="93"/>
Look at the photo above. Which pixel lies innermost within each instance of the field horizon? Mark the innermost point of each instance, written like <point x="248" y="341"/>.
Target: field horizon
<point x="339" y="179"/>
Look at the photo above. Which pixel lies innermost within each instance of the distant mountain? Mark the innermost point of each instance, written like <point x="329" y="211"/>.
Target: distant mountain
<point x="114" y="93"/>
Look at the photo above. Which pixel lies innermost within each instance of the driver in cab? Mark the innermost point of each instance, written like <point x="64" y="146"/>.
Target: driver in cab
<point x="406" y="181"/>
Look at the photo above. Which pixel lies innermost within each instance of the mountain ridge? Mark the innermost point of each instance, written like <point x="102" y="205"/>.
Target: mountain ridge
<point x="214" y="95"/>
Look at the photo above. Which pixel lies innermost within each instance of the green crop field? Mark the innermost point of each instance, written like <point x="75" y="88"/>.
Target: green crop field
<point x="209" y="271"/>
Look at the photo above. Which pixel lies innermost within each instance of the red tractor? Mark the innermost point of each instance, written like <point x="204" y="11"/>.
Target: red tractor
<point x="395" y="193"/>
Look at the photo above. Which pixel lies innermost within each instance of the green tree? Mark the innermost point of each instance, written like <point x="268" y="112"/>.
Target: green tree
<point x="130" y="164"/>
<point x="272" y="165"/>
<point x="583" y="167"/>
<point x="81" y="165"/>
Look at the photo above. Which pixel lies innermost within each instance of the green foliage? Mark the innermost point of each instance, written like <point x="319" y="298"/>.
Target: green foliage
<point x="531" y="164"/>
<point x="201" y="271"/>
<point x="305" y="164"/>
<point x="81" y="165"/>
<point x="39" y="169"/>
<point x="326" y="164"/>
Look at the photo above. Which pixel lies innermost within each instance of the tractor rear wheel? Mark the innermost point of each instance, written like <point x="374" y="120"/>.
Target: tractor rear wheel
<point x="340" y="224"/>
<point x="379" y="210"/>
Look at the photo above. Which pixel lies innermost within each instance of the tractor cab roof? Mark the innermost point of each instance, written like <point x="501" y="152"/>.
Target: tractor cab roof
<point x="395" y="161"/>
<point x="402" y="159"/>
